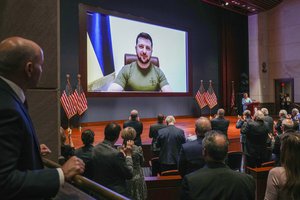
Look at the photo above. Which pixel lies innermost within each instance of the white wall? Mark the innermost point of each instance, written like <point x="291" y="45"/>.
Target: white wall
<point x="274" y="38"/>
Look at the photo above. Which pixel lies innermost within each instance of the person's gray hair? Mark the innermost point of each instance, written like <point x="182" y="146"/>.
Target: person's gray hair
<point x="221" y="112"/>
<point x="265" y="111"/>
<point x="295" y="110"/>
<point x="170" y="119"/>
<point x="215" y="147"/>
<point x="283" y="113"/>
<point x="259" y="115"/>
<point x="202" y="125"/>
<point x="247" y="113"/>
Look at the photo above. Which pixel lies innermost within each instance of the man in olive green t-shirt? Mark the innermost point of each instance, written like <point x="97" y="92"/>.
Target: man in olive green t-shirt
<point x="141" y="75"/>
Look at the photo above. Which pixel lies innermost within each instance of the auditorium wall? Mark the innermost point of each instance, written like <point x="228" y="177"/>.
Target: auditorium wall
<point x="274" y="39"/>
<point x="204" y="23"/>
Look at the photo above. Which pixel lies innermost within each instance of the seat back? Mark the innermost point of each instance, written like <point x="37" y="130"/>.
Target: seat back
<point x="268" y="164"/>
<point x="154" y="164"/>
<point x="234" y="160"/>
<point x="169" y="172"/>
<point x="129" y="58"/>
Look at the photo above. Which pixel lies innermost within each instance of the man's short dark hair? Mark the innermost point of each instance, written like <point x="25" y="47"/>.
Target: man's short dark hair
<point x="145" y="36"/>
<point x="112" y="131"/>
<point x="216" y="150"/>
<point x="87" y="137"/>
<point x="160" y="118"/>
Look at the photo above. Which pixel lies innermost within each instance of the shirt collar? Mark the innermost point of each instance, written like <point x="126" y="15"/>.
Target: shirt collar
<point x="15" y="88"/>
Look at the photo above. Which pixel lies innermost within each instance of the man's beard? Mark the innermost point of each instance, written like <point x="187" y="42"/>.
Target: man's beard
<point x="143" y="62"/>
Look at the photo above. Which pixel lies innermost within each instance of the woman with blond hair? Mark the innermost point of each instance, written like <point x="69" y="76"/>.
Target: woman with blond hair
<point x="284" y="182"/>
<point x="137" y="185"/>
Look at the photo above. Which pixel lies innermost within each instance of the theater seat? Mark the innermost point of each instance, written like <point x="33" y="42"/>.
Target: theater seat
<point x="154" y="165"/>
<point x="129" y="58"/>
<point x="234" y="160"/>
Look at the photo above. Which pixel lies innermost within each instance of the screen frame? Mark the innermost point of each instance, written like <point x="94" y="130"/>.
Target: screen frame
<point x="83" y="8"/>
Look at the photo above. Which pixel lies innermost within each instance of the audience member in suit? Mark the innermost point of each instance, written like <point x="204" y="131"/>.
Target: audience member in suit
<point x="257" y="133"/>
<point x="283" y="182"/>
<point x="169" y="140"/>
<point x="109" y="166"/>
<point x="67" y="150"/>
<point x="135" y="123"/>
<point x="219" y="123"/>
<point x="216" y="180"/>
<point x="282" y="115"/>
<point x="153" y="133"/>
<point x="85" y="152"/>
<point x="268" y="119"/>
<point x="190" y="156"/>
<point x="137" y="185"/>
<point x="287" y="127"/>
<point x="296" y="118"/>
<point x="242" y="121"/>
<point x="22" y="174"/>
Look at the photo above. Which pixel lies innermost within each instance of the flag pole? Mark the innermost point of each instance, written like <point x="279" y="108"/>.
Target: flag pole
<point x="68" y="83"/>
<point x="79" y="118"/>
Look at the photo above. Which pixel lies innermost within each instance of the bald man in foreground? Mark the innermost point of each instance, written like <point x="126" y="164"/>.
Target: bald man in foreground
<point x="22" y="174"/>
<point x="216" y="180"/>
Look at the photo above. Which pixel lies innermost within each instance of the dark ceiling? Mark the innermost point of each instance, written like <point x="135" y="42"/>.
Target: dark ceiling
<point x="245" y="7"/>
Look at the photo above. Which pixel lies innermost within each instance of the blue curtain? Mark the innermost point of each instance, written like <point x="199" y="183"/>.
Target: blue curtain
<point x="98" y="28"/>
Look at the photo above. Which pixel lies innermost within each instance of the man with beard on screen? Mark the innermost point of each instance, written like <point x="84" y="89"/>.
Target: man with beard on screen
<point x="141" y="75"/>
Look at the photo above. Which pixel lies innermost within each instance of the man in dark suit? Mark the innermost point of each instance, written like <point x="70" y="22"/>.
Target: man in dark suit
<point x="135" y="123"/>
<point x="257" y="134"/>
<point x="153" y="133"/>
<point x="169" y="140"/>
<point x="220" y="123"/>
<point x="268" y="119"/>
<point x="190" y="156"/>
<point x="216" y="180"/>
<point x="22" y="174"/>
<point x="109" y="166"/>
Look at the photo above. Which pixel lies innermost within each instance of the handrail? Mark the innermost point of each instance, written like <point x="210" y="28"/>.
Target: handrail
<point x="86" y="184"/>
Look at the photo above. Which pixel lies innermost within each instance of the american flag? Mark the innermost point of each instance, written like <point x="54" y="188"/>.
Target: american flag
<point x="80" y="99"/>
<point x="232" y="99"/>
<point x="200" y="96"/>
<point x="67" y="100"/>
<point x="210" y="97"/>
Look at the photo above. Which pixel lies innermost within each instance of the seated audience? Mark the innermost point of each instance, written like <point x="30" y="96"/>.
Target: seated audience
<point x="137" y="185"/>
<point x="287" y="127"/>
<point x="169" y="140"/>
<point x="219" y="123"/>
<point x="257" y="134"/>
<point x="134" y="122"/>
<point x="284" y="182"/>
<point x="109" y="166"/>
<point x="190" y="156"/>
<point x="67" y="150"/>
<point x="85" y="152"/>
<point x="153" y="133"/>
<point x="216" y="180"/>
<point x="242" y="121"/>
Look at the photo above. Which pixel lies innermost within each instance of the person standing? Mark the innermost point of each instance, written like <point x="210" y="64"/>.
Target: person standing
<point x="219" y="123"/>
<point x="134" y="122"/>
<point x="190" y="156"/>
<point x="22" y="173"/>
<point x="153" y="133"/>
<point x="169" y="140"/>
<point x="216" y="180"/>
<point x="109" y="166"/>
<point x="137" y="185"/>
<point x="246" y="101"/>
<point x="283" y="182"/>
